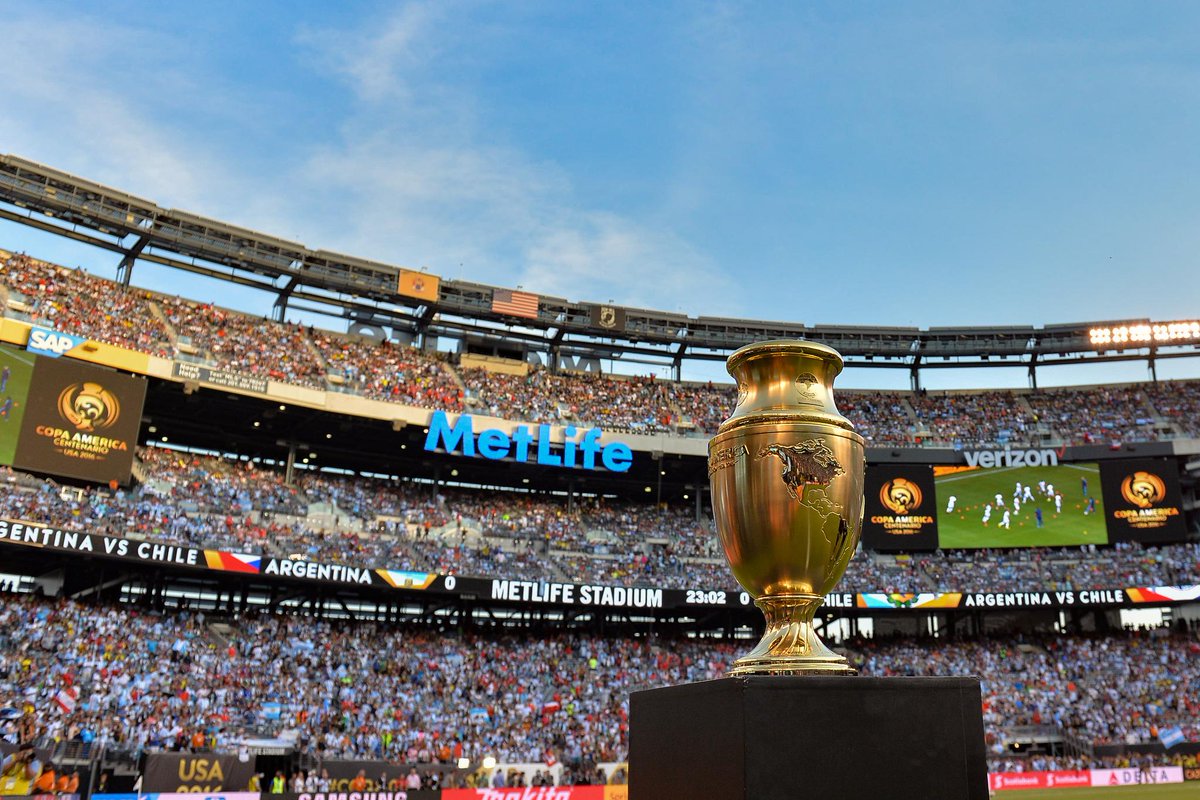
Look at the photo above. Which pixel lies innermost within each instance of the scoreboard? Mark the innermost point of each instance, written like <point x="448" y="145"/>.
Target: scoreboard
<point x="67" y="418"/>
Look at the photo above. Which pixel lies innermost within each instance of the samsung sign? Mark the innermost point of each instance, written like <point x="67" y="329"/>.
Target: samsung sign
<point x="493" y="443"/>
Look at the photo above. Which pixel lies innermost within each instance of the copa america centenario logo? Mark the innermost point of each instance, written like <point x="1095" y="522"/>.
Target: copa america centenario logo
<point x="88" y="406"/>
<point x="900" y="496"/>
<point x="1143" y="489"/>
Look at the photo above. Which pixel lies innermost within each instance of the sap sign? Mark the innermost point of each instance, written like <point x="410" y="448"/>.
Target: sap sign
<point x="51" y="343"/>
<point x="496" y="444"/>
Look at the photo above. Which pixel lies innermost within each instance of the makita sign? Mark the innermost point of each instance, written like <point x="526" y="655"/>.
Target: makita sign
<point x="988" y="459"/>
<point x="584" y="452"/>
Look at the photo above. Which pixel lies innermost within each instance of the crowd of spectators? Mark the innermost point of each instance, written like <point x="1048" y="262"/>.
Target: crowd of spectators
<point x="74" y="302"/>
<point x="1178" y="402"/>
<point x="1104" y="689"/>
<point x="883" y="418"/>
<point x="388" y="371"/>
<point x="1064" y="569"/>
<point x="144" y="680"/>
<point x="630" y="404"/>
<point x="148" y="681"/>
<point x="1095" y="415"/>
<point x="242" y="343"/>
<point x="972" y="419"/>
<point x="84" y="305"/>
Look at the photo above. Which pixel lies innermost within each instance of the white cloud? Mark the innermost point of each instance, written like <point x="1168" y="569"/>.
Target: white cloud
<point x="412" y="175"/>
<point x="601" y="256"/>
<point x="377" y="61"/>
<point x="70" y="102"/>
<point x="423" y="179"/>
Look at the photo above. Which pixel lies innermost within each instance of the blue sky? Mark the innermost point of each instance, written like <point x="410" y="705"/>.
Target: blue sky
<point x="872" y="163"/>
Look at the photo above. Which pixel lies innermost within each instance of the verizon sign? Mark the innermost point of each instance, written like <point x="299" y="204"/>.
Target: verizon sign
<point x="988" y="459"/>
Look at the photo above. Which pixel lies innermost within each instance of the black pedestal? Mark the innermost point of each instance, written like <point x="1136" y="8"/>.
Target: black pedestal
<point x="782" y="738"/>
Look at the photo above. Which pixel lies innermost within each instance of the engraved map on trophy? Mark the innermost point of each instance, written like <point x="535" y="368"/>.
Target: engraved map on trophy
<point x="812" y="464"/>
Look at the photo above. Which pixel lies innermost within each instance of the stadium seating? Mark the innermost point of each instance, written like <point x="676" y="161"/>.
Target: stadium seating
<point x="414" y="694"/>
<point x="146" y="681"/>
<point x="85" y="305"/>
<point x="219" y="503"/>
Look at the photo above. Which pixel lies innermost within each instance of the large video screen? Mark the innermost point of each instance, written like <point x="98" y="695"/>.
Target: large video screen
<point x="66" y="418"/>
<point x="1143" y="500"/>
<point x="1042" y="506"/>
<point x="901" y="508"/>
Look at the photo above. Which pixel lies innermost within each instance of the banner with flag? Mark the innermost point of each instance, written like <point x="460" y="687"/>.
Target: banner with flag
<point x="609" y="318"/>
<point x="1170" y="737"/>
<point x="516" y="304"/>
<point x="420" y="285"/>
<point x="66" y="698"/>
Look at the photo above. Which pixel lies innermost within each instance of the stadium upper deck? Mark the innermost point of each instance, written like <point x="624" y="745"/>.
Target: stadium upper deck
<point x="420" y="306"/>
<point x="74" y="302"/>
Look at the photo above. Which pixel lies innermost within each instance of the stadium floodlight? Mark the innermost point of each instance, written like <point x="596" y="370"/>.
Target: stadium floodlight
<point x="1176" y="332"/>
<point x="489" y="762"/>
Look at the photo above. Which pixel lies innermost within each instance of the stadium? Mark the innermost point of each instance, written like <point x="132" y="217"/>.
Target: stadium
<point x="278" y="558"/>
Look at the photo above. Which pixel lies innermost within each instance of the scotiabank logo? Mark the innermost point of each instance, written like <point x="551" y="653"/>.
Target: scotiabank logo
<point x="1081" y="778"/>
<point x="1021" y="780"/>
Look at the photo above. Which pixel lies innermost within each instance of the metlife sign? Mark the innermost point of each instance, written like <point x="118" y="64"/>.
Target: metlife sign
<point x="584" y="452"/>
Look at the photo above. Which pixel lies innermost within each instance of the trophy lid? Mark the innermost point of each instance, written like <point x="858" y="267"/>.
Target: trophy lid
<point x="792" y="347"/>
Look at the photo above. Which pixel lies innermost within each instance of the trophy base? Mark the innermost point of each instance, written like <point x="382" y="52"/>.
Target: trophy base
<point x="832" y="738"/>
<point x="790" y="645"/>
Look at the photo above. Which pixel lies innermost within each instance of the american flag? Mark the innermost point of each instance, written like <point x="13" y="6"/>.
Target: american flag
<point x="517" y="304"/>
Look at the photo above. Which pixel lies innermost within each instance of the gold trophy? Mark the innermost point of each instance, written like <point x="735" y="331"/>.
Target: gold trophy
<point x="786" y="471"/>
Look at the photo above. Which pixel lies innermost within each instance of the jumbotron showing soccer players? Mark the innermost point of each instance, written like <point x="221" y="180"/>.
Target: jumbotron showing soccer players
<point x="1018" y="507"/>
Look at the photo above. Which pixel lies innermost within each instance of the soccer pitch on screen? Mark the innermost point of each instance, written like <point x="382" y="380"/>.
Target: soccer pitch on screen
<point x="974" y="489"/>
<point x="16" y="367"/>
